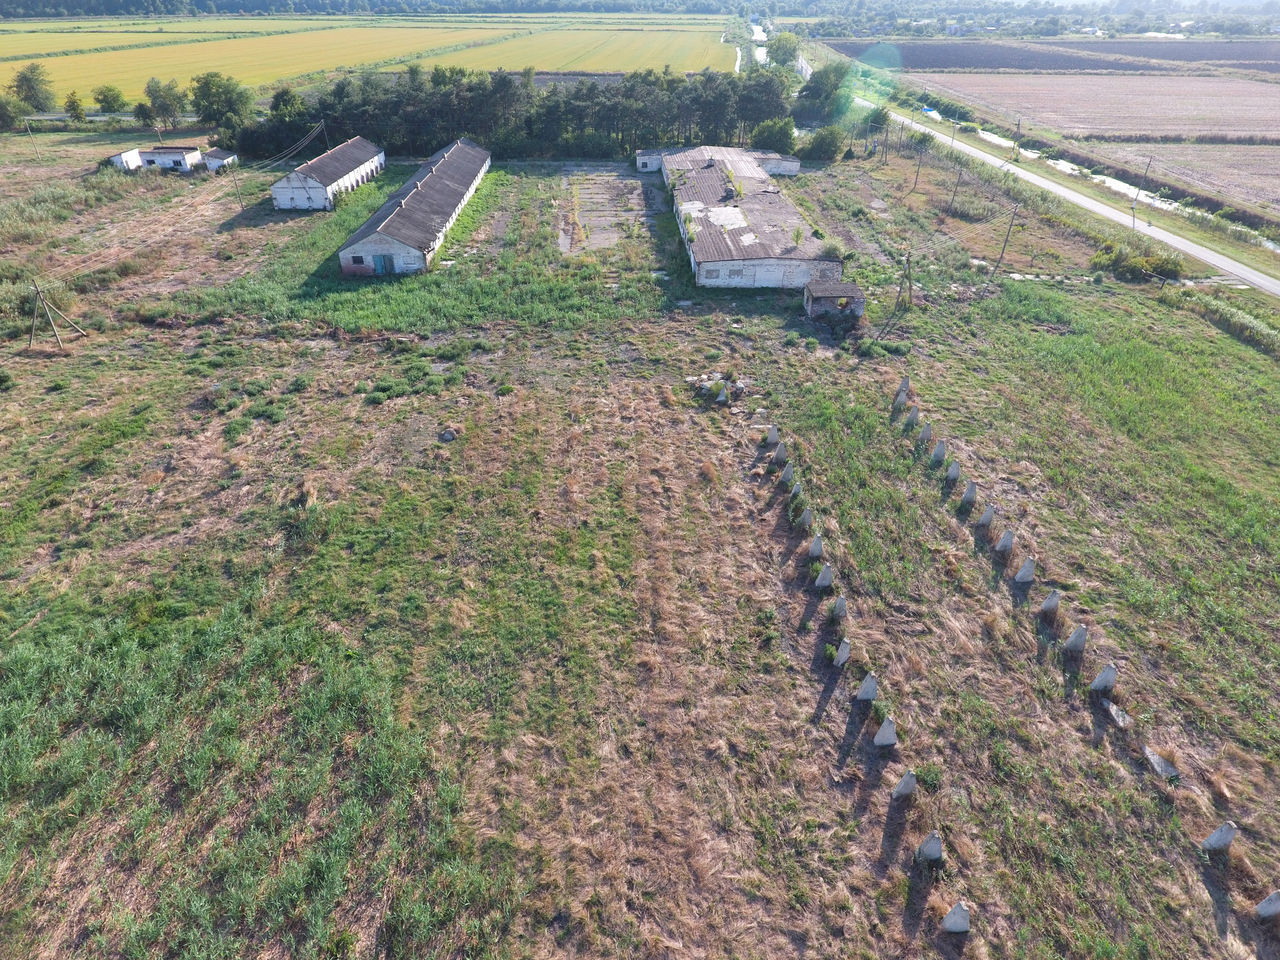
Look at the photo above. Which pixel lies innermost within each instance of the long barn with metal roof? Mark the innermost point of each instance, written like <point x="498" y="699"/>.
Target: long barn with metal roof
<point x="407" y="230"/>
<point x="316" y="184"/>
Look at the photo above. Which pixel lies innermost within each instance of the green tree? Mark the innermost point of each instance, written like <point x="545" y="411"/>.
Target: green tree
<point x="825" y="144"/>
<point x="31" y="85"/>
<point x="110" y="99"/>
<point x="286" y="105"/>
<point x="783" y="49"/>
<point x="167" y="101"/>
<point x="219" y="99"/>
<point x="73" y="107"/>
<point x="11" y="111"/>
<point x="777" y="134"/>
<point x="143" y="113"/>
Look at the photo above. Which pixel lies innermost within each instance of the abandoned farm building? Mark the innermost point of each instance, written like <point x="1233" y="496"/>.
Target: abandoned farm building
<point x="836" y="298"/>
<point x="183" y="159"/>
<point x="315" y="184"/>
<point x="217" y="158"/>
<point x="739" y="230"/>
<point x="407" y="230"/>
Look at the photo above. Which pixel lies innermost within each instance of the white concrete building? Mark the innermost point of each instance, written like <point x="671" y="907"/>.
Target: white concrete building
<point x="772" y="163"/>
<point x="738" y="228"/>
<point x="127" y="160"/>
<point x="315" y="184"/>
<point x="217" y="158"/>
<point x="182" y="159"/>
<point x="407" y="230"/>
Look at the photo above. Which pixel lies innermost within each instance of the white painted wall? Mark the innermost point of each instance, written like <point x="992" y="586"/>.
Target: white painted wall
<point x="765" y="272"/>
<point x="129" y="160"/>
<point x="169" y="160"/>
<point x="406" y="259"/>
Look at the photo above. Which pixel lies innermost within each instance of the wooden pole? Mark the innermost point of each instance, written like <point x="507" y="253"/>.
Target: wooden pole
<point x="35" y="315"/>
<point x="66" y="318"/>
<point x="57" y="336"/>
<point x="1008" y="233"/>
<point x="954" y="191"/>
<point x="26" y="124"/>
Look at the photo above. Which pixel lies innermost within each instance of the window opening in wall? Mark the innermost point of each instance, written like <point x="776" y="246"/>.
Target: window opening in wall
<point x="712" y="274"/>
<point x="358" y="261"/>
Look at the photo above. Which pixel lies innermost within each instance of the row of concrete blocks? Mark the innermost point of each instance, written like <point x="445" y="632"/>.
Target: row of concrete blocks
<point x="1105" y="681"/>
<point x="886" y="737"/>
<point x="1102" y="686"/>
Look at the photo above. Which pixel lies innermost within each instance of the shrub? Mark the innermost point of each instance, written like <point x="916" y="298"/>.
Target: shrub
<point x="824" y="145"/>
<point x="6" y="381"/>
<point x="777" y="134"/>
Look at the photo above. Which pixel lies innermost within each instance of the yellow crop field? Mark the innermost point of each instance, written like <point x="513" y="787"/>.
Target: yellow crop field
<point x="27" y="44"/>
<point x="600" y="51"/>
<point x="187" y="24"/>
<point x="251" y="60"/>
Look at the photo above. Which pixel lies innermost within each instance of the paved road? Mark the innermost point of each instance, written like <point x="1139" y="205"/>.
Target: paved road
<point x="1218" y="261"/>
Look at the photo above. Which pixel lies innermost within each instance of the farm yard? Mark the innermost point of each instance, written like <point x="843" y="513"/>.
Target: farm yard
<point x="287" y="673"/>
<point x="262" y="52"/>
<point x="1081" y="106"/>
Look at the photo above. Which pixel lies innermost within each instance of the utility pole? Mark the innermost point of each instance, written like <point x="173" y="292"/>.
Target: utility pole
<point x="919" y="162"/>
<point x="236" y="180"/>
<point x="955" y="190"/>
<point x="33" y="139"/>
<point x="40" y="300"/>
<point x="1008" y="233"/>
<point x="325" y="127"/>
<point x="1139" y="193"/>
<point x="159" y="136"/>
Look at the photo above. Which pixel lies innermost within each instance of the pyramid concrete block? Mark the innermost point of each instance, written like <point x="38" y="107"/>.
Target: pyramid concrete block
<point x="957" y="919"/>
<point x="887" y="735"/>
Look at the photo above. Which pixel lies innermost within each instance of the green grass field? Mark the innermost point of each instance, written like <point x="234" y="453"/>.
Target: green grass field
<point x="295" y="47"/>
<point x="283" y="672"/>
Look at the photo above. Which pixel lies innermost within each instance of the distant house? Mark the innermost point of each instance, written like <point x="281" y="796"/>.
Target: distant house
<point x="217" y="158"/>
<point x="834" y="298"/>
<point x="737" y="226"/>
<point x="184" y="159"/>
<point x="315" y="184"/>
<point x="407" y="230"/>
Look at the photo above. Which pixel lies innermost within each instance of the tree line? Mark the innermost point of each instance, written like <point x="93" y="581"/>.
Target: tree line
<point x="418" y="111"/>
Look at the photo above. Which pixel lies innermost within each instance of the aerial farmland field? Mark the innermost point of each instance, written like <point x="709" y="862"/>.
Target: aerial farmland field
<point x="15" y="46"/>
<point x="251" y="60"/>
<point x="262" y="51"/>
<point x="1091" y="105"/>
<point x="976" y="54"/>
<point x="595" y="50"/>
